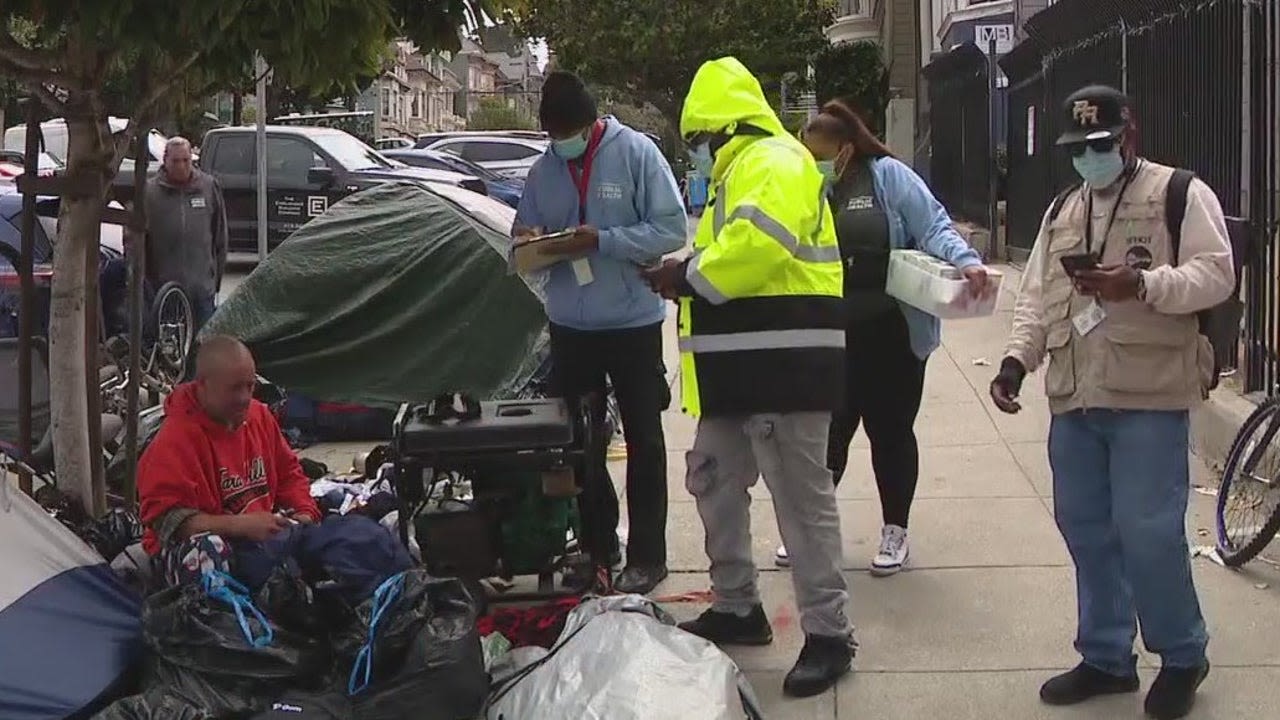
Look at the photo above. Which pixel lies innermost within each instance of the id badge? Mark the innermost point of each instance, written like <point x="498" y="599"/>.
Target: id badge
<point x="582" y="271"/>
<point x="1089" y="318"/>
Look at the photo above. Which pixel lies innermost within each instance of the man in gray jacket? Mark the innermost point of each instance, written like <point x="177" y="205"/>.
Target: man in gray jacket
<point x="186" y="230"/>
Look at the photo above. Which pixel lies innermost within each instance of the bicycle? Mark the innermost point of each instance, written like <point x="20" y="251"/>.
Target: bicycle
<point x="1248" y="511"/>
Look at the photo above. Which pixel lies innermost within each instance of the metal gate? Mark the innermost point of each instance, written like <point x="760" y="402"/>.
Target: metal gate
<point x="1203" y="78"/>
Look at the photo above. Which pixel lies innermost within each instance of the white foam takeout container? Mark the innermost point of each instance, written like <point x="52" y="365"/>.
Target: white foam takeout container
<point x="938" y="288"/>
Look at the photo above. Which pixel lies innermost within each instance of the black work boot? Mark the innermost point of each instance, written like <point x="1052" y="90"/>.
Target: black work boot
<point x="1083" y="683"/>
<point x="725" y="628"/>
<point x="823" y="661"/>
<point x="1174" y="692"/>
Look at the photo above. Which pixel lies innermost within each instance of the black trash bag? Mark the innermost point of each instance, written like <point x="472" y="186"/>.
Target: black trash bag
<point x="308" y="706"/>
<point x="287" y="599"/>
<point x="423" y="656"/>
<point x="154" y="705"/>
<point x="202" y="654"/>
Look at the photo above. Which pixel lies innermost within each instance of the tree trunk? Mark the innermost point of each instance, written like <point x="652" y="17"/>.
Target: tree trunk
<point x="237" y="108"/>
<point x="78" y="228"/>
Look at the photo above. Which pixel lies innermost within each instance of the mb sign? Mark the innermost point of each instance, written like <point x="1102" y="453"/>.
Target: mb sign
<point x="1002" y="34"/>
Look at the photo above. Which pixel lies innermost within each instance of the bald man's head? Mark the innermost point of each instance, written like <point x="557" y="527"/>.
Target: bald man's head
<point x="225" y="379"/>
<point x="178" y="160"/>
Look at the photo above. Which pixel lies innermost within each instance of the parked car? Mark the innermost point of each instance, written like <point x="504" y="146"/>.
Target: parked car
<point x="13" y="164"/>
<point x="53" y="133"/>
<point x="42" y="259"/>
<point x="308" y="168"/>
<point x="508" y="190"/>
<point x="506" y="155"/>
<point x="426" y="140"/>
<point x="393" y="143"/>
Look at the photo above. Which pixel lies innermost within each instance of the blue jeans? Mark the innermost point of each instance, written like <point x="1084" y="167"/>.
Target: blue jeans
<point x="1120" y="489"/>
<point x="202" y="307"/>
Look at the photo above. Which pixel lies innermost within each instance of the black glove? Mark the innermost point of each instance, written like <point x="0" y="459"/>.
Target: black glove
<point x="1007" y="384"/>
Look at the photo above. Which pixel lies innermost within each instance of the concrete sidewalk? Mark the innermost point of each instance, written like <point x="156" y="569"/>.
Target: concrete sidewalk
<point x="986" y="610"/>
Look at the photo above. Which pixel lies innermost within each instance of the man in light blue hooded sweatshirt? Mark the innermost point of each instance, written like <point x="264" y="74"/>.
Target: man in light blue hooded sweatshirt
<point x="611" y="185"/>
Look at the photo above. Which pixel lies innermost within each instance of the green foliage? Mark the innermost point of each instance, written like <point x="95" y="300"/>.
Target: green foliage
<point x="652" y="48"/>
<point x="646" y="118"/>
<point x="495" y="114"/>
<point x="855" y="73"/>
<point x="318" y="48"/>
<point x="794" y="122"/>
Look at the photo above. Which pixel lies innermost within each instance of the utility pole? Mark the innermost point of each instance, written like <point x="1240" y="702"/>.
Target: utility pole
<point x="261" y="68"/>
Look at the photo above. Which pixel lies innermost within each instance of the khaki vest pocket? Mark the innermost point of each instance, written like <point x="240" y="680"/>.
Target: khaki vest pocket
<point x="1060" y="377"/>
<point x="1148" y="361"/>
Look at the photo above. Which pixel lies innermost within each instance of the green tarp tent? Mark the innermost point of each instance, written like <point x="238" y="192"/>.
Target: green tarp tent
<point x="398" y="293"/>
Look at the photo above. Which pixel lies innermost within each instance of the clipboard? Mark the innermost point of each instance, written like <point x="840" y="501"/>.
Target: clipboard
<point x="527" y="256"/>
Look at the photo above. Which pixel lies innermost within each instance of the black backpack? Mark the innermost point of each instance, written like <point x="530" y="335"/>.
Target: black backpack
<point x="1175" y="207"/>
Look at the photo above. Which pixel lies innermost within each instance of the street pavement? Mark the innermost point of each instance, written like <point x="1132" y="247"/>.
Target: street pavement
<point x="985" y="611"/>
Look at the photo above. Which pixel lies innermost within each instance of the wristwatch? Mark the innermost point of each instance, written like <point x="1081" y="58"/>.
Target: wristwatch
<point x="1142" y="286"/>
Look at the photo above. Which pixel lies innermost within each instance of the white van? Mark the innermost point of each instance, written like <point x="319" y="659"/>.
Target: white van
<point x="55" y="141"/>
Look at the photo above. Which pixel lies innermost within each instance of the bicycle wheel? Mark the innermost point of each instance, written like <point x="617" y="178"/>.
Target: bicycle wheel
<point x="175" y="332"/>
<point x="1248" y="514"/>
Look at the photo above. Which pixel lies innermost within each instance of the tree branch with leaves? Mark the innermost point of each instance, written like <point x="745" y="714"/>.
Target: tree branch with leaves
<point x="65" y="51"/>
<point x="652" y="48"/>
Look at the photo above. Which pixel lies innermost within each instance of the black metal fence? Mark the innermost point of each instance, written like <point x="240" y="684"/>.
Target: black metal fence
<point x="959" y="117"/>
<point x="1203" y="76"/>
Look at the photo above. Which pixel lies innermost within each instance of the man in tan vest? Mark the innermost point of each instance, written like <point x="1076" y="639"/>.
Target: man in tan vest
<point x="1111" y="303"/>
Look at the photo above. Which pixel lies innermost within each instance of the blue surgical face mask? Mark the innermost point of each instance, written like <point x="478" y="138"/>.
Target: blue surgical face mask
<point x="827" y="168"/>
<point x="1099" y="169"/>
<point x="702" y="159"/>
<point x="570" y="148"/>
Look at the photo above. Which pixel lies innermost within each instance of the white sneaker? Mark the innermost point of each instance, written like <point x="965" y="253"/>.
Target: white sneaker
<point x="780" y="558"/>
<point x="894" y="551"/>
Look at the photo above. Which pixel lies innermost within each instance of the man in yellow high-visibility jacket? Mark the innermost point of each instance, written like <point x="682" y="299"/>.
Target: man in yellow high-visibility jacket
<point x="762" y="359"/>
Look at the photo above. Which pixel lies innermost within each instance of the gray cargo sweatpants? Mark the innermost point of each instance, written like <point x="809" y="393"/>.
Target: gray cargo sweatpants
<point x="790" y="450"/>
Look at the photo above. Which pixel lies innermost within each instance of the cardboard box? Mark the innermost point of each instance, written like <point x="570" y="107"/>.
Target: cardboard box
<point x="936" y="287"/>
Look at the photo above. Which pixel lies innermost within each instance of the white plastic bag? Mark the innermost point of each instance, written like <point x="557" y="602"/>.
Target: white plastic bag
<point x="623" y="658"/>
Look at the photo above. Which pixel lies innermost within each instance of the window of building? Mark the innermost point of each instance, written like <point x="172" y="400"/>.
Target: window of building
<point x="386" y="102"/>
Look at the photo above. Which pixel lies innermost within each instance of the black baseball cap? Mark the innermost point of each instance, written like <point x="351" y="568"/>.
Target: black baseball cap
<point x="1096" y="112"/>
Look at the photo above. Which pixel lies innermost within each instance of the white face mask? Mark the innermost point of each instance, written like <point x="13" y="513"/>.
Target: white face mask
<point x="1099" y="169"/>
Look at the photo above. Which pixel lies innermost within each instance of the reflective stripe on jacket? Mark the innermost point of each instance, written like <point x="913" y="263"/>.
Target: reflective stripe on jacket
<point x="765" y="331"/>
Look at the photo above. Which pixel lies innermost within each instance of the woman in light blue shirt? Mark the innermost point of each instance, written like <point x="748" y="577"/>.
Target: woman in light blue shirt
<point x="880" y="205"/>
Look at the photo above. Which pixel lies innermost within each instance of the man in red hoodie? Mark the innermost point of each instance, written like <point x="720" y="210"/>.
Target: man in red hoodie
<point x="219" y="463"/>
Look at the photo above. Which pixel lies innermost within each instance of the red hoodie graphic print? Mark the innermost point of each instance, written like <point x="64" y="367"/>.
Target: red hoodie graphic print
<point x="199" y="464"/>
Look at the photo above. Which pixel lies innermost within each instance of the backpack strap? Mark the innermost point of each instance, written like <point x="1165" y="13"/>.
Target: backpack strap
<point x="1175" y="208"/>
<point x="1055" y="207"/>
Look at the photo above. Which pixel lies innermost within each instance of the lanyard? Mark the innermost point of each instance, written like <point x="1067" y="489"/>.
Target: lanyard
<point x="580" y="170"/>
<point x="1106" y="230"/>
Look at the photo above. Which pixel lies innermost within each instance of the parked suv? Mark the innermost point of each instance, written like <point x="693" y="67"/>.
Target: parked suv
<point x="308" y="168"/>
<point x="509" y="156"/>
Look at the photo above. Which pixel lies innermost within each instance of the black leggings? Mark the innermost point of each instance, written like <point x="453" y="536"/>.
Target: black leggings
<point x="885" y="381"/>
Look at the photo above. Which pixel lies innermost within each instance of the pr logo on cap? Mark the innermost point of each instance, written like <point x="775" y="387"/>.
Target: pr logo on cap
<point x="1084" y="112"/>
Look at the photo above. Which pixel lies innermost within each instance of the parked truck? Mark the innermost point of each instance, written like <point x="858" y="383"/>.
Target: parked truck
<point x="308" y="169"/>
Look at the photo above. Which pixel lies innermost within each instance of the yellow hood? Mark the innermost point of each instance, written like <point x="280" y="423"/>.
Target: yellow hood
<point x="725" y="94"/>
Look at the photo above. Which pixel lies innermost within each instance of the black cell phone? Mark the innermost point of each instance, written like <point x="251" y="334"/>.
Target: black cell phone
<point x="1074" y="264"/>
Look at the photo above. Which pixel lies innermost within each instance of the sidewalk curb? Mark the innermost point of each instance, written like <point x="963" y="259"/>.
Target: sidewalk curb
<point x="1214" y="425"/>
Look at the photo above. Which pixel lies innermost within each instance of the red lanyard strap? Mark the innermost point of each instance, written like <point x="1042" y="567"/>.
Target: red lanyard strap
<point x="580" y="169"/>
